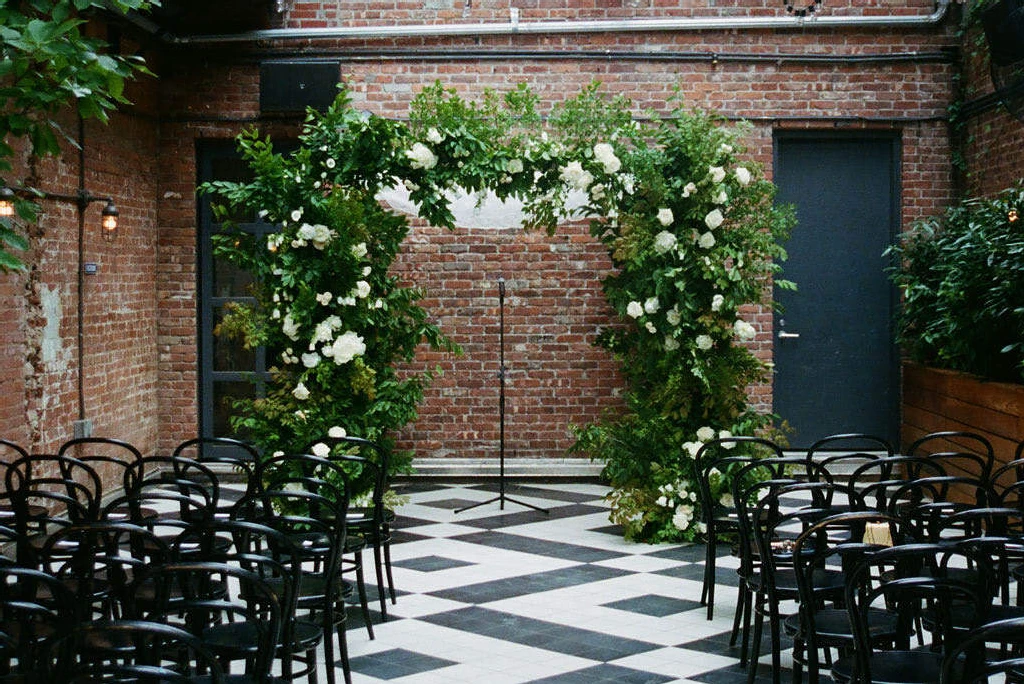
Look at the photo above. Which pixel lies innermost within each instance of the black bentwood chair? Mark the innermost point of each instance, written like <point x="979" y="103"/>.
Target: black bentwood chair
<point x="367" y="463"/>
<point x="714" y="463"/>
<point x="36" y="613"/>
<point x="971" y="662"/>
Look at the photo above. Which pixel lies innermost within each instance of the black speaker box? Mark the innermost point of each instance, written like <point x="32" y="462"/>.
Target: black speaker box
<point x="288" y="87"/>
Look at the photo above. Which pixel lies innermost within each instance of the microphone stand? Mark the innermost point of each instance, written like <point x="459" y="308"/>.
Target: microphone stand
<point x="502" y="498"/>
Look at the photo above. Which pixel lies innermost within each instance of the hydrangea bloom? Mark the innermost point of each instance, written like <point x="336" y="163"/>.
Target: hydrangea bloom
<point x="514" y="166"/>
<point x="634" y="310"/>
<point x="359" y="250"/>
<point x="743" y="176"/>
<point x="716" y="302"/>
<point x="665" y="216"/>
<point x="320" y="449"/>
<point x="651" y="305"/>
<point x="576" y="176"/>
<point x="717" y="174"/>
<point x="337" y="432"/>
<point x="706" y="241"/>
<point x="705" y="433"/>
<point x="704" y="342"/>
<point x="714" y="219"/>
<point x="673" y="316"/>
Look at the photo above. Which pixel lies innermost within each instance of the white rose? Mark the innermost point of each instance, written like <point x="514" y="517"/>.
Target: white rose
<point x="744" y="330"/>
<point x="289" y="327"/>
<point x="672" y="316"/>
<point x="346" y="347"/>
<point x="321" y="236"/>
<point x="320" y="449"/>
<point x="714" y="219"/>
<point x="689" y="189"/>
<point x="300" y="392"/>
<point x="704" y="342"/>
<point x="361" y="290"/>
<point x="605" y="154"/>
<point x="576" y="176"/>
<point x="705" y="434"/>
<point x="742" y="175"/>
<point x="634" y="310"/>
<point x="664" y="242"/>
<point x="330" y="163"/>
<point x="337" y="432"/>
<point x="628" y="184"/>
<point x="665" y="217"/>
<point x="420" y="157"/>
<point x="359" y="251"/>
<point x="726" y="147"/>
<point x="725" y="434"/>
<point x="682" y="517"/>
<point x="514" y="166"/>
<point x="306" y="232"/>
<point x="434" y="136"/>
<point x="706" y="241"/>
<point x="692" y="448"/>
<point x="716" y="302"/>
<point x="717" y="174"/>
<point x="651" y="305"/>
<point x="310" y="360"/>
<point x="324" y="298"/>
<point x="727" y="500"/>
<point x="296" y="214"/>
<point x="721" y="198"/>
<point x="671" y="343"/>
<point x="650" y="327"/>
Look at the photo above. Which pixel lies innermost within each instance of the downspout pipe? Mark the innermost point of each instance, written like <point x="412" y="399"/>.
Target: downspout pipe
<point x="516" y="27"/>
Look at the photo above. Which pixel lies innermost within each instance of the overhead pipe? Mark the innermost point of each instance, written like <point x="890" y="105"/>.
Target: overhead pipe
<point x="516" y="27"/>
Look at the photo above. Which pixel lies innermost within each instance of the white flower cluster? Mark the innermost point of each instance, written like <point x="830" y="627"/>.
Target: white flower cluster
<point x="605" y="154"/>
<point x="318" y="235"/>
<point x="706" y="434"/>
<point x="421" y="157"/>
<point x="671" y="493"/>
<point x="575" y="176"/>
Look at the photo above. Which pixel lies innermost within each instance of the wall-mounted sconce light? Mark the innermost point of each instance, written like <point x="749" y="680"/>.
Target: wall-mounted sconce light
<point x="6" y="202"/>
<point x="83" y="198"/>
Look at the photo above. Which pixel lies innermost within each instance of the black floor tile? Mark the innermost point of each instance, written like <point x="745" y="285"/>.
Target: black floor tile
<point x="430" y="563"/>
<point x="541" y="547"/>
<point x="540" y="634"/>
<point x="605" y="673"/>
<point x="521" y="585"/>
<point x="517" y="515"/>
<point x="395" y="663"/>
<point x="654" y="605"/>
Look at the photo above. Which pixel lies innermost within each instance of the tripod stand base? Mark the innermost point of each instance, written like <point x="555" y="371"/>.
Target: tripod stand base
<point x="502" y="499"/>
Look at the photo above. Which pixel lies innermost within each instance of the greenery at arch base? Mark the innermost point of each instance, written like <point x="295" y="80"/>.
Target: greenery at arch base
<point x="689" y="225"/>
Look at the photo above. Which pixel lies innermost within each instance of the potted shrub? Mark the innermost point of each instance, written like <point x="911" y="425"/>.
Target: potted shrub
<point x="962" y="324"/>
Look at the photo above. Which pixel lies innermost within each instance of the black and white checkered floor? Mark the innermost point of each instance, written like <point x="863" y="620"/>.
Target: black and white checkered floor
<point x="492" y="596"/>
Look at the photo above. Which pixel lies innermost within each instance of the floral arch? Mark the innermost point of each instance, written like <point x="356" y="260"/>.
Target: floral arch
<point x="691" y="229"/>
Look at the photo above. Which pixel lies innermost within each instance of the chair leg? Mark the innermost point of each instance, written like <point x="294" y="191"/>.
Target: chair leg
<point x="755" y="654"/>
<point x="378" y="566"/>
<point x="361" y="587"/>
<point x="776" y="633"/>
<point x="709" y="580"/>
<point x="328" y="630"/>
<point x="741" y="597"/>
<point x="748" y="607"/>
<point x="346" y="669"/>
<point x="387" y="567"/>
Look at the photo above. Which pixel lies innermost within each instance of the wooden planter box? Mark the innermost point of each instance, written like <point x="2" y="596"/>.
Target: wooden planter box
<point x="936" y="399"/>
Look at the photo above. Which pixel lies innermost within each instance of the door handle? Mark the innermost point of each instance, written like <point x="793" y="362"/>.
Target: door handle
<point x="788" y="335"/>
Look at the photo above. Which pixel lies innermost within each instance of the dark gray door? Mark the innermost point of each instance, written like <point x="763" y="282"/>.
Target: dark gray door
<point x="836" y="363"/>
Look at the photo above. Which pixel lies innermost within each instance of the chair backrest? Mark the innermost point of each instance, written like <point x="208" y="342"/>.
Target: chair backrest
<point x="969" y="661"/>
<point x="877" y="478"/>
<point x="36" y="613"/>
<point x="100" y="560"/>
<point x="903" y="579"/>
<point x="240" y="456"/>
<point x="186" y="476"/>
<point x="924" y="502"/>
<point x="160" y="654"/>
<point x="368" y="465"/>
<point x="205" y="597"/>
<point x="716" y="464"/>
<point x="962" y="452"/>
<point x="108" y="457"/>
<point x="844" y="451"/>
<point x="841" y="540"/>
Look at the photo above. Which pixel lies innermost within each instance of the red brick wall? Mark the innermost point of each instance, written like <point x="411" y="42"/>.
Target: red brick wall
<point x="140" y="325"/>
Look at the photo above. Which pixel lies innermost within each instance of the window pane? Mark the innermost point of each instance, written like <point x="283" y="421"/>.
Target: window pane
<point x="224" y="392"/>
<point x="229" y="354"/>
<point x="229" y="280"/>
